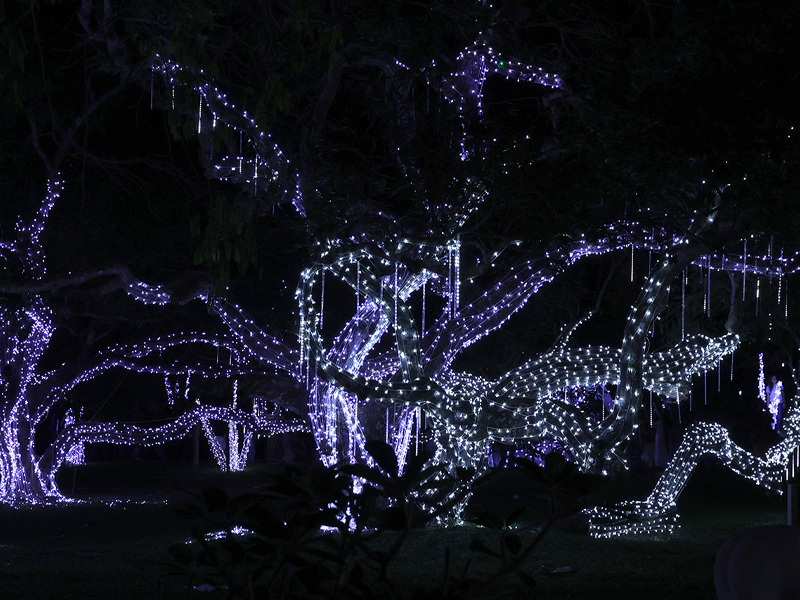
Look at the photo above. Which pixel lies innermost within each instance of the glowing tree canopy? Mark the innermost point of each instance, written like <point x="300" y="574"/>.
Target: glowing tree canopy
<point x="435" y="172"/>
<point x="351" y="388"/>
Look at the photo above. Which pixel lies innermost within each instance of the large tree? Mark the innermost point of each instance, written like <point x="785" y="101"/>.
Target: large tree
<point x="446" y="162"/>
<point x="625" y="128"/>
<point x="90" y="212"/>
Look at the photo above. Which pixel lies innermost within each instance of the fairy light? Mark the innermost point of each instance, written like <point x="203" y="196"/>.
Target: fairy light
<point x="349" y="382"/>
<point x="632" y="250"/>
<point x="217" y="451"/>
<point x="708" y="293"/>
<point x="683" y="305"/>
<point x="731" y="367"/>
<point x="424" y="302"/>
<point x="76" y="454"/>
<point x="664" y="373"/>
<point x="457" y="274"/>
<point x="358" y="286"/>
<point x="322" y="301"/>
<point x="540" y="420"/>
<point x="744" y="269"/>
<point x="170" y="391"/>
<point x="775" y="402"/>
<point x="758" y="293"/>
<point x="786" y="300"/>
<point x="250" y="348"/>
<point x="657" y="514"/>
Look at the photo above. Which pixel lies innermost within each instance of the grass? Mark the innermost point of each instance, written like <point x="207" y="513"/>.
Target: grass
<point x="95" y="551"/>
<point x="715" y="506"/>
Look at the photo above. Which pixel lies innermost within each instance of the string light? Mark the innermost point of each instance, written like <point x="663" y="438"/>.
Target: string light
<point x="347" y="382"/>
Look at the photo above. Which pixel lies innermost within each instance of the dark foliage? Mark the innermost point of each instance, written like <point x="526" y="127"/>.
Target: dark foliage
<point x="310" y="535"/>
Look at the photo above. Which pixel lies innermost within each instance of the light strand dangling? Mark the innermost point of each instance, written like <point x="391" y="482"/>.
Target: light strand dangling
<point x="683" y="304"/>
<point x="744" y="270"/>
<point x="358" y="286"/>
<point x="322" y="302"/>
<point x="632" y="251"/>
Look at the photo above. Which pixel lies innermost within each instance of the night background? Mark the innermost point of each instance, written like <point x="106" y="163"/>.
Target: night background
<point x="221" y="165"/>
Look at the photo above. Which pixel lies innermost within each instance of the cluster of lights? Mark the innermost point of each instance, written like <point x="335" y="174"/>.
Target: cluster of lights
<point x="26" y="333"/>
<point x="347" y="385"/>
<point x="772" y="397"/>
<point x="76" y="455"/>
<point x="478" y="61"/>
<point x="464" y="87"/>
<point x="462" y="432"/>
<point x="26" y="477"/>
<point x="343" y="381"/>
<point x="126" y="434"/>
<point x="264" y="168"/>
<point x="461" y="406"/>
<point x="657" y="514"/>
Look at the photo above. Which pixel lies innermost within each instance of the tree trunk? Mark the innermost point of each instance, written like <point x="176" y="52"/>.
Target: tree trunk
<point x="19" y="483"/>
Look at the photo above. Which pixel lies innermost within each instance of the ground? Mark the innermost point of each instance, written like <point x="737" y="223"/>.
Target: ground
<point x="95" y="551"/>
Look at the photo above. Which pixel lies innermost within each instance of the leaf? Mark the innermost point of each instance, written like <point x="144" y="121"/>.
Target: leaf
<point x="373" y="476"/>
<point x="234" y="548"/>
<point x="216" y="499"/>
<point x="513" y="543"/>
<point x="560" y="570"/>
<point x="527" y="579"/>
<point x="265" y="522"/>
<point x="239" y="504"/>
<point x="384" y="455"/>
<point x="192" y="512"/>
<point x="478" y="546"/>
<point x="183" y="553"/>
<point x="514" y="515"/>
<point x="314" y="575"/>
<point x="488" y="519"/>
<point x="394" y="518"/>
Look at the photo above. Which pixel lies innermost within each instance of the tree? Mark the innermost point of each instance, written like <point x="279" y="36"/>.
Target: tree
<point x="78" y="303"/>
<point x="407" y="171"/>
<point x="666" y="175"/>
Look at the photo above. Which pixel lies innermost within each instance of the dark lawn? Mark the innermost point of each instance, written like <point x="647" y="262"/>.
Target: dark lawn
<point x="94" y="551"/>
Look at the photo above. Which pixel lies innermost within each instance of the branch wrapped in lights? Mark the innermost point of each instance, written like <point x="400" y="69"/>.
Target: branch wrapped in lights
<point x="417" y="371"/>
<point x="343" y="362"/>
<point x="385" y="294"/>
<point x="120" y="433"/>
<point x="657" y="513"/>
<point x="469" y="412"/>
<point x="445" y="397"/>
<point x="524" y="400"/>
<point x="260" y="345"/>
<point x="144" y="357"/>
<point x="30" y="395"/>
<point x="264" y="169"/>
<point x="26" y="333"/>
<point x="651" y="301"/>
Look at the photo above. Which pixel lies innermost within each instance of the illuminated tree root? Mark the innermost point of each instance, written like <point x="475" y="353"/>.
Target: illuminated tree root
<point x="658" y="513"/>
